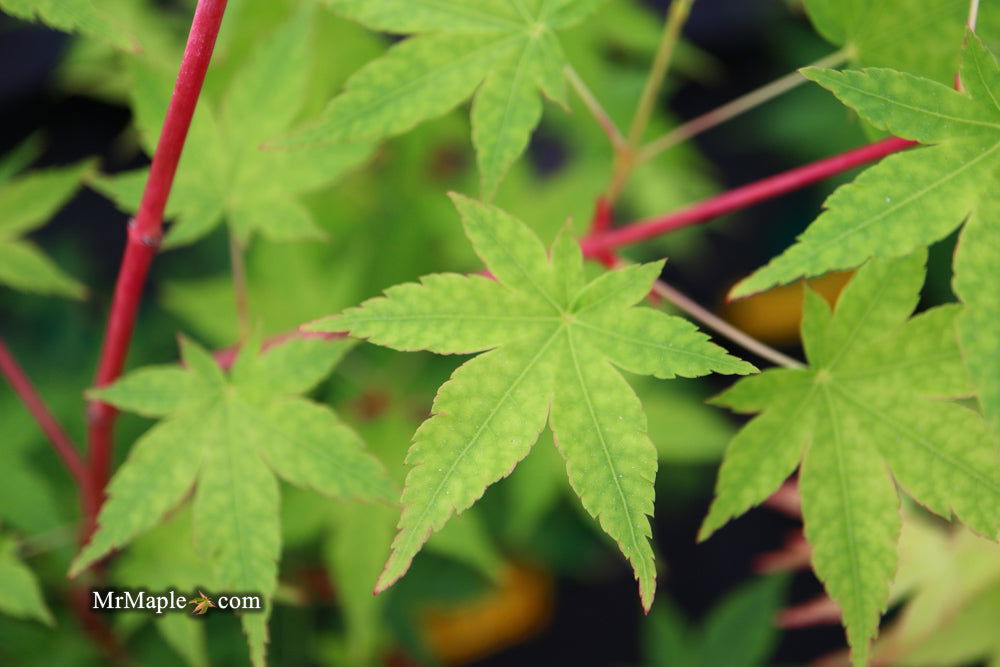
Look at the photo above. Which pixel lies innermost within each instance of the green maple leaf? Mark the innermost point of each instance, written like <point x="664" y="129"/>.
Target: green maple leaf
<point x="501" y="52"/>
<point x="548" y="340"/>
<point x="915" y="198"/>
<point x="229" y="436"/>
<point x="26" y="203"/>
<point x="868" y="405"/>
<point x="20" y="595"/>
<point x="920" y="38"/>
<point x="72" y="16"/>
<point x="223" y="172"/>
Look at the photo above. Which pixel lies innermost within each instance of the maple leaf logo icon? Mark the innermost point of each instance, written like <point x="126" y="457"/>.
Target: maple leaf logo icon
<point x="202" y="603"/>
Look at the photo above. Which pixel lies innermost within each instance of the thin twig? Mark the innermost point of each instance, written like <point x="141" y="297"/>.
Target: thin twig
<point x="730" y="110"/>
<point x="595" y="108"/>
<point x="973" y="15"/>
<point x="146" y="229"/>
<point x="719" y="325"/>
<point x="676" y="17"/>
<point x="61" y="442"/>
<point x="625" y="157"/>
<point x="970" y="24"/>
<point x="742" y="197"/>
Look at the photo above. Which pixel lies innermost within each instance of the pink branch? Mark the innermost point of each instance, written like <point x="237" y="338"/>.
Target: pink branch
<point x="146" y="229"/>
<point x="600" y="243"/>
<point x="61" y="442"/>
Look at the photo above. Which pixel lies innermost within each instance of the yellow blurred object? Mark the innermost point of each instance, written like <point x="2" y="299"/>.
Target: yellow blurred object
<point x="774" y="316"/>
<point x="518" y="609"/>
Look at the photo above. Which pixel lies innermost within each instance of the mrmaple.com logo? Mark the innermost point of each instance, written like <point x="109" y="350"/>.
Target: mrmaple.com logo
<point x="171" y="600"/>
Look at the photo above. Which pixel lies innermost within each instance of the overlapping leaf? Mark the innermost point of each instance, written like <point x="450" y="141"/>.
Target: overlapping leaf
<point x="548" y="340"/>
<point x="503" y="53"/>
<point x="26" y="203"/>
<point x="229" y="437"/>
<point x="866" y="412"/>
<point x="224" y="173"/>
<point x="918" y="197"/>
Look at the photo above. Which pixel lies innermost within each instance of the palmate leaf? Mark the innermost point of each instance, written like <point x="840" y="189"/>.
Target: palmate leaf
<point x="550" y="341"/>
<point x="26" y="203"/>
<point x="503" y="53"/>
<point x="915" y="198"/>
<point x="920" y="38"/>
<point x="870" y="404"/>
<point x="224" y="173"/>
<point x="229" y="437"/>
<point x="83" y="16"/>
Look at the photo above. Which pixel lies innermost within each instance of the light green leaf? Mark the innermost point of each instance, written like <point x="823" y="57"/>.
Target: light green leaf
<point x="650" y="342"/>
<point x="505" y="111"/>
<point x="228" y="437"/>
<point x="154" y="391"/>
<point x="553" y="340"/>
<point x="868" y="411"/>
<point x="444" y="313"/>
<point x="20" y="595"/>
<point x="600" y="429"/>
<point x="419" y="78"/>
<point x="915" y="198"/>
<point x="505" y="53"/>
<point x="486" y="417"/>
<point x="910" y="199"/>
<point x="851" y="515"/>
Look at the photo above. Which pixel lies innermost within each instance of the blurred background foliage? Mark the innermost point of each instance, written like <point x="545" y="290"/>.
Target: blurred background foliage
<point x="524" y="577"/>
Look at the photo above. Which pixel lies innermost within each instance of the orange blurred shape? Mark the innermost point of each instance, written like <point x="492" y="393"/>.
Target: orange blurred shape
<point x="774" y="316"/>
<point x="519" y="608"/>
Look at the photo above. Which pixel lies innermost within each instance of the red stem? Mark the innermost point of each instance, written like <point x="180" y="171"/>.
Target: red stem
<point x="145" y="230"/>
<point x="596" y="245"/>
<point x="61" y="442"/>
